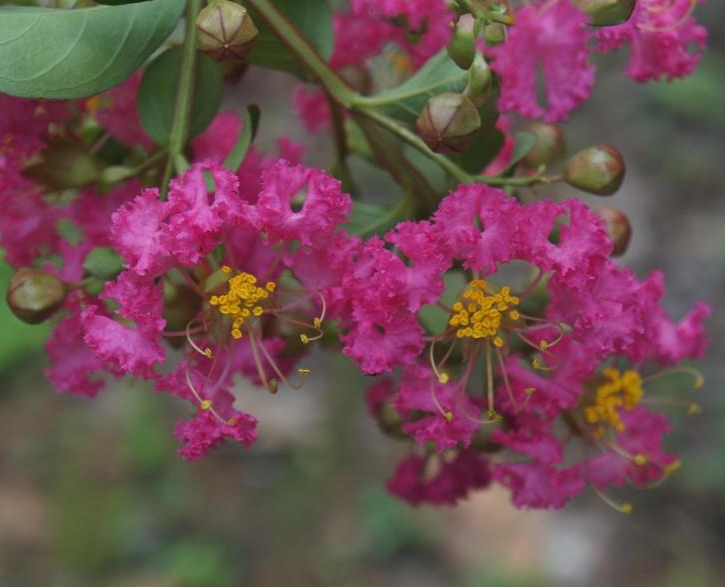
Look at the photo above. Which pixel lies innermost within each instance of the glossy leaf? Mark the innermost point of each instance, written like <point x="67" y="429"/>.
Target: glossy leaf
<point x="313" y="18"/>
<point x="405" y="103"/>
<point x="368" y="219"/>
<point x="249" y="131"/>
<point x="158" y="89"/>
<point x="523" y="143"/>
<point x="65" y="54"/>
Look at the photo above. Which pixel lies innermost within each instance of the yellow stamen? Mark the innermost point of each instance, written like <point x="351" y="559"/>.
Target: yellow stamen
<point x="483" y="314"/>
<point x="619" y="391"/>
<point x="243" y="298"/>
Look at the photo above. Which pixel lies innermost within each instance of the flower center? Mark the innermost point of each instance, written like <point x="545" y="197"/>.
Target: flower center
<point x="618" y="391"/>
<point x="243" y="299"/>
<point x="479" y="314"/>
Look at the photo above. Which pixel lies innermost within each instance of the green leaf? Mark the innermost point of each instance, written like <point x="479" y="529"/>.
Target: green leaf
<point x="249" y="131"/>
<point x="406" y="102"/>
<point x="523" y="142"/>
<point x="313" y="18"/>
<point x="368" y="219"/>
<point x="104" y="263"/>
<point x="485" y="146"/>
<point x="159" y="86"/>
<point x="64" y="54"/>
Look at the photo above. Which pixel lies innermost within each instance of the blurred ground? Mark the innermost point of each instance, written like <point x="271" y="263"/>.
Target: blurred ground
<point x="92" y="493"/>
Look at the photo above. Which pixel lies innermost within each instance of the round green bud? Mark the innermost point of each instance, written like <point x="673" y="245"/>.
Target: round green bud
<point x="549" y="147"/>
<point x="597" y="170"/>
<point x="618" y="228"/>
<point x="494" y="34"/>
<point x="606" y="12"/>
<point x="479" y="80"/>
<point x="34" y="296"/>
<point x="225" y="30"/>
<point x="64" y="165"/>
<point x="448" y="123"/>
<point x="462" y="47"/>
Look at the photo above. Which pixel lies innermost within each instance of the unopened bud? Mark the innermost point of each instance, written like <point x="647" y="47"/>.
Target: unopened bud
<point x="448" y="123"/>
<point x="389" y="421"/>
<point x="34" y="296"/>
<point x="606" y="12"/>
<point x="462" y="47"/>
<point x="494" y="34"/>
<point x="64" y="165"/>
<point x="479" y="80"/>
<point x="357" y="77"/>
<point x="549" y="147"/>
<point x="225" y="31"/>
<point x="618" y="228"/>
<point x="597" y="170"/>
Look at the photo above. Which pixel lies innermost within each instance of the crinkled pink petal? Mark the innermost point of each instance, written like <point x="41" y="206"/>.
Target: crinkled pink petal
<point x="118" y="113"/>
<point x="554" y="38"/>
<point x="205" y="432"/>
<point x="535" y="485"/>
<point x="312" y="109"/>
<point x="139" y="299"/>
<point x="218" y="140"/>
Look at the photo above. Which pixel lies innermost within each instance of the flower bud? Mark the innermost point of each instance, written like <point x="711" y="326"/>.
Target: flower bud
<point x="34" y="296"/>
<point x="479" y="80"/>
<point x="549" y="146"/>
<point x="606" y="12"/>
<point x="462" y="47"/>
<point x="225" y="31"/>
<point x="64" y="165"/>
<point x="597" y="170"/>
<point x="494" y="34"/>
<point x="618" y="228"/>
<point x="448" y="123"/>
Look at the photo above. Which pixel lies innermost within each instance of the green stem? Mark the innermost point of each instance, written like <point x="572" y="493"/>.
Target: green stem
<point x="307" y="55"/>
<point x="182" y="110"/>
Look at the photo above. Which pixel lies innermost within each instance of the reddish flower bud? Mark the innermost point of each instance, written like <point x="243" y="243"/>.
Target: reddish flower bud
<point x="549" y="147"/>
<point x="606" y="12"/>
<point x="448" y="123"/>
<point x="462" y="47"/>
<point x="618" y="228"/>
<point x="34" y="296"/>
<point x="225" y="31"/>
<point x="597" y="170"/>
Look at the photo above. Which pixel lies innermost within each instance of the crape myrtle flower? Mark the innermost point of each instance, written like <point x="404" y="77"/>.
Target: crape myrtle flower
<point x="542" y="371"/>
<point x="664" y="39"/>
<point x="551" y="36"/>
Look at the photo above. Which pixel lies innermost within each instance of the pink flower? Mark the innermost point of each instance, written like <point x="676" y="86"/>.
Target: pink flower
<point x="312" y="108"/>
<point x="117" y="112"/>
<point x="74" y="368"/>
<point x="553" y="37"/>
<point x="662" y="36"/>
<point x="536" y="485"/>
<point x="322" y="204"/>
<point x="434" y="412"/>
<point x="205" y="432"/>
<point x="454" y="479"/>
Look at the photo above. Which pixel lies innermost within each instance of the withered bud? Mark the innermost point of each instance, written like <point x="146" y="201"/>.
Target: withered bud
<point x="494" y="34"/>
<point x="225" y="31"/>
<point x="389" y="421"/>
<point x="479" y="80"/>
<point x="64" y="165"/>
<point x="606" y="12"/>
<point x="357" y="77"/>
<point x="618" y="228"/>
<point x="34" y="296"/>
<point x="549" y="147"/>
<point x="462" y="47"/>
<point x="597" y="170"/>
<point x="448" y="122"/>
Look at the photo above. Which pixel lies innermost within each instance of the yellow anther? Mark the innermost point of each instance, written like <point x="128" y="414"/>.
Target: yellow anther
<point x="443" y="378"/>
<point x="529" y="390"/>
<point x="493" y="415"/>
<point x="618" y="391"/>
<point x="304" y="338"/>
<point x="317" y="323"/>
<point x="543" y="345"/>
<point x="304" y="372"/>
<point x="257" y="311"/>
<point x="206" y="405"/>
<point x="270" y="286"/>
<point x="242" y="299"/>
<point x="498" y="341"/>
<point x="694" y="409"/>
<point x="207" y="353"/>
<point x="226" y="269"/>
<point x="626" y="508"/>
<point x="536" y="363"/>
<point x="699" y="382"/>
<point x="482" y="314"/>
<point x="640" y="460"/>
<point x="448" y="416"/>
<point x="672" y="467"/>
<point x="236" y="333"/>
<point x="514" y="315"/>
<point x="232" y="422"/>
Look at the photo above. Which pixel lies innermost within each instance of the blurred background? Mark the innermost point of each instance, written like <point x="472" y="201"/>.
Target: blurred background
<point x="92" y="492"/>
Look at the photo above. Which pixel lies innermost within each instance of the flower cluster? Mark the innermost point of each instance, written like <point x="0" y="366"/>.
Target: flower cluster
<point x="510" y="347"/>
